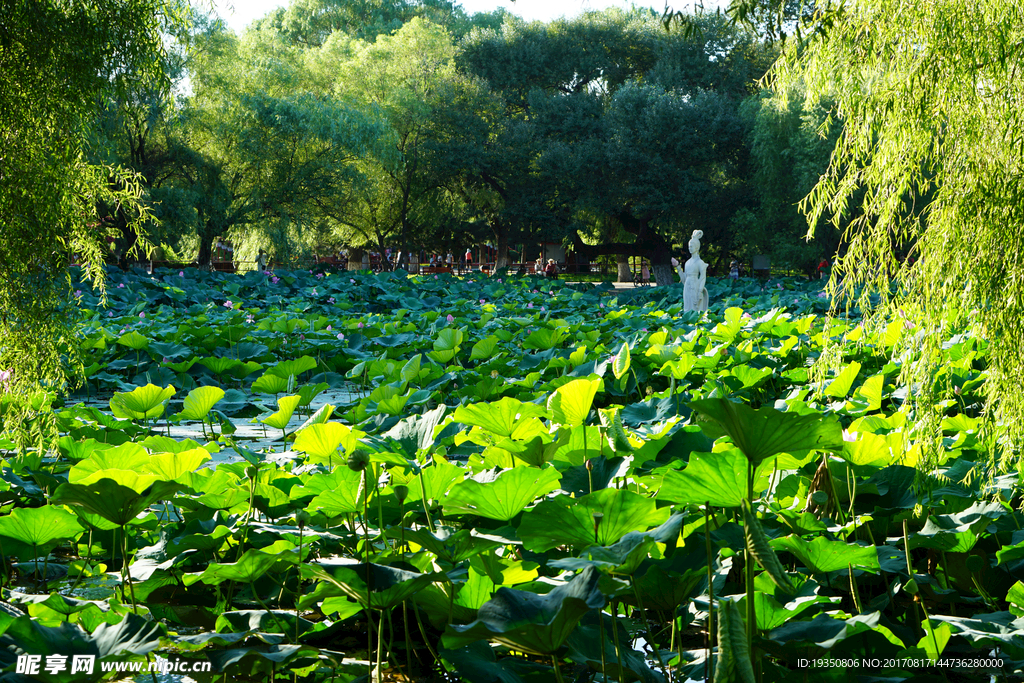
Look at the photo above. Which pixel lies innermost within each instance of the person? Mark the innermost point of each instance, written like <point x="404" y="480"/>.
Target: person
<point x="469" y="257"/>
<point x="451" y="260"/>
<point x="694" y="275"/>
<point x="823" y="268"/>
<point x="551" y="270"/>
<point x="734" y="269"/>
<point x="261" y="261"/>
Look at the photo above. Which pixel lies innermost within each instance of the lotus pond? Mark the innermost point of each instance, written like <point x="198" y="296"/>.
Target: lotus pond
<point x="335" y="476"/>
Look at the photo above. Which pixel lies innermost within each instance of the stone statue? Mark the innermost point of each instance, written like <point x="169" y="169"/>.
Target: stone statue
<point x="694" y="276"/>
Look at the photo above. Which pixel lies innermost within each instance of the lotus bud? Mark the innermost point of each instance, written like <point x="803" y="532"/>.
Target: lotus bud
<point x="358" y="461"/>
<point x="251" y="471"/>
<point x="401" y="492"/>
<point x="302" y="518"/>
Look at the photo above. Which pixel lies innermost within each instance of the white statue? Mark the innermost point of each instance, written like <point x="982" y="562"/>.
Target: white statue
<point x="694" y="276"/>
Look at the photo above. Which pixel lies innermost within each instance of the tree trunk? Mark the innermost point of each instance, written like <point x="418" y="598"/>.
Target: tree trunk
<point x="205" y="258"/>
<point x="501" y="259"/>
<point x="625" y="274"/>
<point x="663" y="275"/>
<point x="355" y="259"/>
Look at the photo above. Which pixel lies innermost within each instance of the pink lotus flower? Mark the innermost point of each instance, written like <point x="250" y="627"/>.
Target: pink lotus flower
<point x="275" y="279"/>
<point x="142" y="315"/>
<point x="227" y="304"/>
<point x="166" y="360"/>
<point x="529" y="305"/>
<point x="249" y="318"/>
<point x="78" y="292"/>
<point x="352" y="280"/>
<point x="360" y="325"/>
<point x="330" y="300"/>
<point x="600" y="305"/>
<point x="541" y="309"/>
<point x="121" y="286"/>
<point x="340" y="336"/>
<point x="450" y="318"/>
<point x="302" y="337"/>
<point x="328" y="328"/>
<point x="181" y="273"/>
<point x="481" y="301"/>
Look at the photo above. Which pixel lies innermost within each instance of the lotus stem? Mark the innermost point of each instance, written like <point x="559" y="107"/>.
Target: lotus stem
<point x="709" y="663"/>
<point x="558" y="671"/>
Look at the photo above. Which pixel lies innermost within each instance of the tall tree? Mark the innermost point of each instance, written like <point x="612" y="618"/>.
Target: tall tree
<point x="258" y="151"/>
<point x="49" y="89"/>
<point x="932" y="107"/>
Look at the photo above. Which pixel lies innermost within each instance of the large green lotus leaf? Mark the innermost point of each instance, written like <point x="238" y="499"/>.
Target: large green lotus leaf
<point x="374" y="586"/>
<point x="570" y="404"/>
<point x="873" y="450"/>
<point x="269" y="383"/>
<point x="679" y="368"/>
<point x="286" y="406"/>
<point x="718" y="478"/>
<point x="499" y="417"/>
<point x="484" y="349"/>
<point x="133" y="340"/>
<point x="763" y="432"/>
<point x="434" y="481"/>
<point x="525" y="621"/>
<point x="772" y="614"/>
<point x="821" y="555"/>
<point x="621" y="362"/>
<point x="347" y="497"/>
<point x="112" y="501"/>
<point x="841" y="385"/>
<point x="544" y="338"/>
<point x="571" y="521"/>
<point x="250" y="566"/>
<point x="199" y="402"/>
<point x="416" y="433"/>
<point x="128" y="456"/>
<point x="448" y="339"/>
<point x="625" y="555"/>
<point x="826" y="632"/>
<point x="142" y="403"/>
<point x="322" y="441"/>
<point x="505" y="496"/>
<point x="136" y="480"/>
<point x="33" y="532"/>
<point x="174" y="466"/>
<point x="219" y="365"/>
<point x="131" y="635"/>
<point x="296" y="367"/>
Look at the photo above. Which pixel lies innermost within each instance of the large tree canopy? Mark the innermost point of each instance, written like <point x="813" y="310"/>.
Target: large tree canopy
<point x="931" y="100"/>
<point x="50" y="85"/>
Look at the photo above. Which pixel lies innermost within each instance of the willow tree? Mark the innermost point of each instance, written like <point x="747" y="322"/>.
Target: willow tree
<point x="56" y="61"/>
<point x="930" y="96"/>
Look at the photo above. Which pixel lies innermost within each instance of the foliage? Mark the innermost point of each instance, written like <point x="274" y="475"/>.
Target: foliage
<point x="490" y="492"/>
<point x="49" y="193"/>
<point x="930" y="105"/>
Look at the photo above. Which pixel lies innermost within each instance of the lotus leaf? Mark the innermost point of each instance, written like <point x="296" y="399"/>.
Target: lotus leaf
<point x="572" y="521"/>
<point x="538" y="624"/>
<point x="505" y="496"/>
<point x="34" y="532"/>
<point x="142" y="403"/>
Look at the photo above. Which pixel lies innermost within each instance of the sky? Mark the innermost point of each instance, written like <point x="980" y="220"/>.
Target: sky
<point x="239" y="13"/>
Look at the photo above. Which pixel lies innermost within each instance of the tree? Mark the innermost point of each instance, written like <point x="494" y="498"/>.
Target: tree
<point x="632" y="128"/>
<point x="932" y="106"/>
<point x="49" y="89"/>
<point x="257" y="151"/>
<point x="411" y="79"/>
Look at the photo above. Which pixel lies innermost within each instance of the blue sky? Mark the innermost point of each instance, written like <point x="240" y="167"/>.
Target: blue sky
<point x="244" y="11"/>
